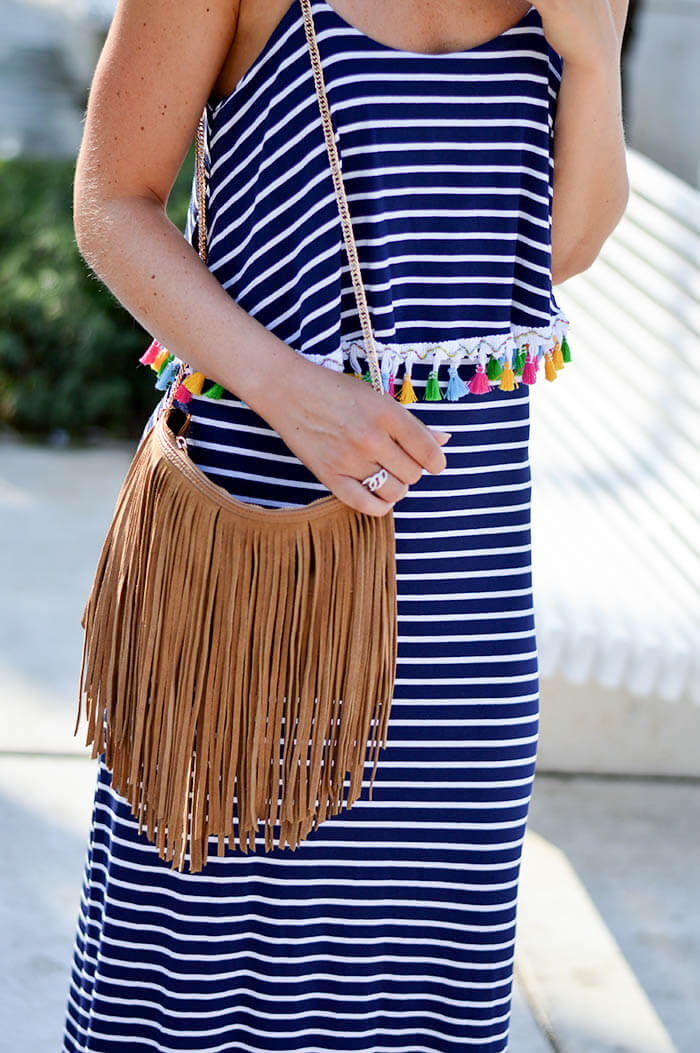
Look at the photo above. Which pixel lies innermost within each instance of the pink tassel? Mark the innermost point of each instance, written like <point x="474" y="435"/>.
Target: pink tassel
<point x="392" y="390"/>
<point x="151" y="353"/>
<point x="529" y="371"/>
<point x="479" y="384"/>
<point x="183" y="394"/>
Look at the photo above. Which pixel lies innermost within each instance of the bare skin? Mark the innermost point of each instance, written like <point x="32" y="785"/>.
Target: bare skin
<point x="160" y="63"/>
<point x="427" y="27"/>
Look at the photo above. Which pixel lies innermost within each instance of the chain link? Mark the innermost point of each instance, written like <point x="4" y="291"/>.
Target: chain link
<point x="342" y="200"/>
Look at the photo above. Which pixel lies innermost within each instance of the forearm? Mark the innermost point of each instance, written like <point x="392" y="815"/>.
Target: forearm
<point x="158" y="276"/>
<point x="591" y="186"/>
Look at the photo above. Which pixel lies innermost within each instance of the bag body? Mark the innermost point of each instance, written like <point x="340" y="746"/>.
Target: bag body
<point x="235" y="651"/>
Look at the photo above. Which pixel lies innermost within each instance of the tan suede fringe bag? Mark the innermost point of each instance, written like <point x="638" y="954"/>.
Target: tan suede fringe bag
<point x="235" y="651"/>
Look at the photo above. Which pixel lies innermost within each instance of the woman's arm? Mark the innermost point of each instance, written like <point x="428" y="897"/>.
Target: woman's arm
<point x="591" y="187"/>
<point x="156" y="70"/>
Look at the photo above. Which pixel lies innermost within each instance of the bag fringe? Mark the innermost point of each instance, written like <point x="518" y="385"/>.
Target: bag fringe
<point x="235" y="652"/>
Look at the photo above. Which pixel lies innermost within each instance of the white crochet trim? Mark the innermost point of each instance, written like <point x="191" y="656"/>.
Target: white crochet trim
<point x="457" y="352"/>
<point x="454" y="353"/>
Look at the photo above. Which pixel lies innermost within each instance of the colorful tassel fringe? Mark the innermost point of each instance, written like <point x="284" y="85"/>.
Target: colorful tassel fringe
<point x="167" y="366"/>
<point x="151" y="353"/>
<point x="529" y="370"/>
<point x="166" y="374"/>
<point x="407" y="393"/>
<point x="194" y="383"/>
<point x="494" y="369"/>
<point x="549" y="368"/>
<point x="214" y="392"/>
<point x="479" y="384"/>
<point x="507" y="378"/>
<point x="508" y="371"/>
<point x="432" y="389"/>
<point x="456" y="388"/>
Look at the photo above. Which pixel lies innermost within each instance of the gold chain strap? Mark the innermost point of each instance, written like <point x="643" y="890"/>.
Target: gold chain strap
<point x="201" y="189"/>
<point x="342" y="200"/>
<point x="346" y="223"/>
<point x="201" y="174"/>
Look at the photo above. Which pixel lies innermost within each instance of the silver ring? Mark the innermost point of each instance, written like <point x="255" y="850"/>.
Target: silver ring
<point x="373" y="482"/>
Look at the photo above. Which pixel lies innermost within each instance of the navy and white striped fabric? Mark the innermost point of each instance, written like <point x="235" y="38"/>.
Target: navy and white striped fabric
<point x="391" y="928"/>
<point x="447" y="165"/>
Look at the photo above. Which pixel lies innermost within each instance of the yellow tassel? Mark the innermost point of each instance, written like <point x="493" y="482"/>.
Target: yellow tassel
<point x="507" y="377"/>
<point x="407" y="394"/>
<point x="558" y="356"/>
<point x="549" y="368"/>
<point x="160" y="359"/>
<point x="195" y="383"/>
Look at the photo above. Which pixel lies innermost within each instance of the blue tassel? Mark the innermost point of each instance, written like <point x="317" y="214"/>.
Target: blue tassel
<point x="385" y="380"/>
<point x="456" y="388"/>
<point x="167" y="375"/>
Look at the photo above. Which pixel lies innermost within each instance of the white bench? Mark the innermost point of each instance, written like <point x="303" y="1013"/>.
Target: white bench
<point x="615" y="456"/>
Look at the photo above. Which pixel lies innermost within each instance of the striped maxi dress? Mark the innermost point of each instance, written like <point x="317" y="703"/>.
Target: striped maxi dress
<point x="391" y="928"/>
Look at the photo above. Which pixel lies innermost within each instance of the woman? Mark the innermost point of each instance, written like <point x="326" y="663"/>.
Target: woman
<point x="483" y="159"/>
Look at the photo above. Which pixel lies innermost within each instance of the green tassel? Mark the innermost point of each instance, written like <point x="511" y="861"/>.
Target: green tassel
<point x="214" y="392"/>
<point x="519" y="363"/>
<point x="565" y="349"/>
<point x="493" y="369"/>
<point x="368" y="376"/>
<point x="432" y="389"/>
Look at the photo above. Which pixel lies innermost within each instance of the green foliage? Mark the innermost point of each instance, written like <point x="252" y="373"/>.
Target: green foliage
<point x="68" y="350"/>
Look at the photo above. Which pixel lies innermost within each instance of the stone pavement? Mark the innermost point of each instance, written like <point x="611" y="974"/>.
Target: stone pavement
<point x="607" y="956"/>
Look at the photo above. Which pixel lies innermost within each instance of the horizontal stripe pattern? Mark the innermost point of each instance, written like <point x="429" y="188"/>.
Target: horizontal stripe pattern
<point x="447" y="165"/>
<point x="391" y="928"/>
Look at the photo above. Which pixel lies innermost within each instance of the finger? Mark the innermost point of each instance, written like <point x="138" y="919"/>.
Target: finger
<point x="357" y="496"/>
<point x="418" y="442"/>
<point x="395" y="459"/>
<point x="398" y="463"/>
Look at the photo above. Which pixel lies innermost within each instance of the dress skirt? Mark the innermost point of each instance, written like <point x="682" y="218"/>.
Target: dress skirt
<point x="392" y="927"/>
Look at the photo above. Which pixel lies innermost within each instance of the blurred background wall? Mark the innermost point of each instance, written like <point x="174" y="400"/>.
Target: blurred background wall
<point x="662" y="85"/>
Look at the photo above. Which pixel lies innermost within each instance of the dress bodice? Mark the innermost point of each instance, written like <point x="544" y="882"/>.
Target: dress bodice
<point x="447" y="164"/>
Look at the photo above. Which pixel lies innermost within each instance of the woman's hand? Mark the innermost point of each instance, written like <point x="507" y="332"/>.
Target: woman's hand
<point x="157" y="69"/>
<point x="584" y="32"/>
<point x="343" y="431"/>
